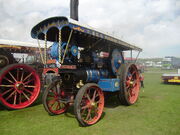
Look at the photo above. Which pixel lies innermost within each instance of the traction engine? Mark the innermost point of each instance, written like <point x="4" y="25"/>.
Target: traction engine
<point x="82" y="64"/>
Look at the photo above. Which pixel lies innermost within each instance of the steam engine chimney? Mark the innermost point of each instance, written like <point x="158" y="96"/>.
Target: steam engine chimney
<point x="74" y="9"/>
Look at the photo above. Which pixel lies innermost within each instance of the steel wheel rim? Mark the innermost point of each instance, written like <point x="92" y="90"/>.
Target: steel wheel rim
<point x="132" y="84"/>
<point x="3" y="61"/>
<point x="92" y="104"/>
<point x="53" y="102"/>
<point x="19" y="86"/>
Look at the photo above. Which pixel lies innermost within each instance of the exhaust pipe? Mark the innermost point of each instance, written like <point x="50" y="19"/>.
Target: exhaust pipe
<point x="74" y="9"/>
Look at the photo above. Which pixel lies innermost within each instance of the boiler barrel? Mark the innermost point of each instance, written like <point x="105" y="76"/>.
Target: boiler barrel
<point x="90" y="75"/>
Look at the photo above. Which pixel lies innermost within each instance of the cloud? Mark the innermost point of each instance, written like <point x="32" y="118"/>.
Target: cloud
<point x="150" y="24"/>
<point x="153" y="25"/>
<point x="21" y="15"/>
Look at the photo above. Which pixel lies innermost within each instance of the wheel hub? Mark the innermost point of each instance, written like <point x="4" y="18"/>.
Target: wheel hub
<point x="93" y="103"/>
<point x="3" y="62"/>
<point x="131" y="83"/>
<point x="19" y="86"/>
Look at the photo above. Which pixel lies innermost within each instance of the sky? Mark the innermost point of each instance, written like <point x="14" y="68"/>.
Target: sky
<point x="153" y="25"/>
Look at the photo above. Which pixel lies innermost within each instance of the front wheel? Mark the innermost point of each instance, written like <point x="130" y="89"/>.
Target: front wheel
<point x="89" y="104"/>
<point x="51" y="99"/>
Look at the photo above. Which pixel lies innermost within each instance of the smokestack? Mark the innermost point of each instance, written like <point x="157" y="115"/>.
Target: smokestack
<point x="74" y="9"/>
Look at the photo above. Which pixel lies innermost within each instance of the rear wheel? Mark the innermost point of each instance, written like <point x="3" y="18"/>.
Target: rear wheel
<point x="89" y="104"/>
<point x="130" y="84"/>
<point x="51" y="99"/>
<point x="19" y="86"/>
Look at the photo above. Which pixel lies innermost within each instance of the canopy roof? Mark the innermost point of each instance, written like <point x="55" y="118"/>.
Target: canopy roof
<point x="84" y="32"/>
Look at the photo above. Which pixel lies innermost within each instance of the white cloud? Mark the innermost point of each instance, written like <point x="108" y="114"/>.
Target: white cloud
<point x="150" y="24"/>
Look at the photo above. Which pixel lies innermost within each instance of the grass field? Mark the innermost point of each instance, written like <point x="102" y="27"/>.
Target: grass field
<point x="157" y="112"/>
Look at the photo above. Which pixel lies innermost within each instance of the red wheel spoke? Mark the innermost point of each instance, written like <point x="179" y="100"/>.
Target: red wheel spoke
<point x="96" y="112"/>
<point x="25" y="96"/>
<point x="84" y="107"/>
<point x="51" y="102"/>
<point x="94" y="95"/>
<point x="30" y="86"/>
<point x="89" y="114"/>
<point x="127" y="86"/>
<point x="29" y="81"/>
<point x="128" y="82"/>
<point x="28" y="91"/>
<point x="8" y="80"/>
<point x="27" y="77"/>
<point x="88" y="97"/>
<point x="58" y="106"/>
<point x="10" y="95"/>
<point x="97" y="102"/>
<point x="6" y="85"/>
<point x="133" y="92"/>
<point x="84" y="110"/>
<point x="90" y="117"/>
<point x="88" y="91"/>
<point x="129" y="95"/>
<point x="52" y="105"/>
<point x="12" y="76"/>
<point x="22" y="76"/>
<point x="62" y="105"/>
<point x="135" y="83"/>
<point x="97" y="95"/>
<point x="7" y="91"/>
<point x="15" y="96"/>
<point x="129" y="92"/>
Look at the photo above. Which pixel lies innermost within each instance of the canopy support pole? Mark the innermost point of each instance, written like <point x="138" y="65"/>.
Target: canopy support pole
<point x="45" y="49"/>
<point x="60" y="42"/>
<point x="67" y="46"/>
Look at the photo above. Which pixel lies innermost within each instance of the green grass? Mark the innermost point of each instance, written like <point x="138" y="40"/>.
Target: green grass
<point x="159" y="70"/>
<point x="157" y="112"/>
